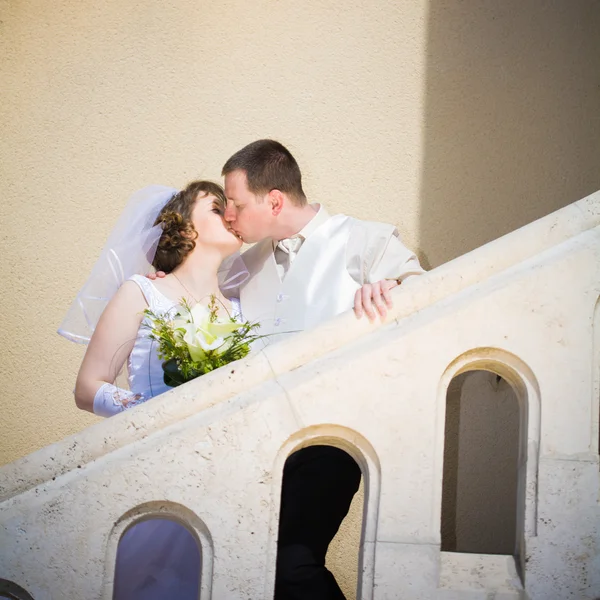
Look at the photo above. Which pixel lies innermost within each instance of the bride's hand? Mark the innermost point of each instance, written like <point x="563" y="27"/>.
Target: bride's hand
<point x="374" y="298"/>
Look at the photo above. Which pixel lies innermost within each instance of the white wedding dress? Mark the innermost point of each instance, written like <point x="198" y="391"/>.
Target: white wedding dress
<point x="157" y="559"/>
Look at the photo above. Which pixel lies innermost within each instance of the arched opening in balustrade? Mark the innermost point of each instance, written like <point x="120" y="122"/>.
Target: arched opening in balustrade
<point x="160" y="550"/>
<point x="596" y="377"/>
<point x="481" y="465"/>
<point x="491" y="447"/>
<point x="355" y="460"/>
<point x="9" y="590"/>
<point x="157" y="558"/>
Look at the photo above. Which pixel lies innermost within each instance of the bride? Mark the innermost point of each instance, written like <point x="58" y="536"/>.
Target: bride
<point x="182" y="233"/>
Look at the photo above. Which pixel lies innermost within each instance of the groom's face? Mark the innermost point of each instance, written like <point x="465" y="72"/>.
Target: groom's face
<point x="250" y="216"/>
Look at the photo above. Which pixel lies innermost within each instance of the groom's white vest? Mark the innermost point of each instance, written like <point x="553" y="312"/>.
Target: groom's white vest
<point x="316" y="287"/>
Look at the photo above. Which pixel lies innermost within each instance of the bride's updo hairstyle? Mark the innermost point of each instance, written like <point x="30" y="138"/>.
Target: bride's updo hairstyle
<point x="179" y="234"/>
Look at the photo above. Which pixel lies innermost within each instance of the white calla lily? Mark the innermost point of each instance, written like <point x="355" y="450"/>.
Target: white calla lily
<point x="197" y="340"/>
<point x="203" y="335"/>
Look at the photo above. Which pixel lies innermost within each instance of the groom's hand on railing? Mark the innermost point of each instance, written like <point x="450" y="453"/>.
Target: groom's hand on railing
<point x="374" y="298"/>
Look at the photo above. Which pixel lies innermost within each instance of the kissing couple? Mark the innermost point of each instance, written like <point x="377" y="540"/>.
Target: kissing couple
<point x="305" y="267"/>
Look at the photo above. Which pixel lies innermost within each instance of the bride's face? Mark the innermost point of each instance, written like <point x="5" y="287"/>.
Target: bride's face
<point x="212" y="229"/>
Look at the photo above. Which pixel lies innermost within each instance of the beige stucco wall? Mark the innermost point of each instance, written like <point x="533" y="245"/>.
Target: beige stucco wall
<point x="456" y="122"/>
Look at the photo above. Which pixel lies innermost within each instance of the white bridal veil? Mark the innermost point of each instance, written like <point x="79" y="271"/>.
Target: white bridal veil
<point x="130" y="249"/>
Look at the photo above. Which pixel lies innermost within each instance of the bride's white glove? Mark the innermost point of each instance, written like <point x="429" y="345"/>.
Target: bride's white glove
<point x="110" y="400"/>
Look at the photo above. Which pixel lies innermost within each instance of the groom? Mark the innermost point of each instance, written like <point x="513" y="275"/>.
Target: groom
<point x="334" y="262"/>
<point x="307" y="267"/>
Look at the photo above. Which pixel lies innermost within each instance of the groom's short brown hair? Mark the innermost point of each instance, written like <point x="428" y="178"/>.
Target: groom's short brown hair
<point x="268" y="165"/>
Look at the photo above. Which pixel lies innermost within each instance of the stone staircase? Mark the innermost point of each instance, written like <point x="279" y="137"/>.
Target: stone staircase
<point x="210" y="454"/>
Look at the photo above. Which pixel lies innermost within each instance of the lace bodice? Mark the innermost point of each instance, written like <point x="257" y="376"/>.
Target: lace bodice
<point x="144" y="366"/>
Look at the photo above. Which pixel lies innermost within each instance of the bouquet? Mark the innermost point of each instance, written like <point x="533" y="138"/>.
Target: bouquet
<point x="197" y="340"/>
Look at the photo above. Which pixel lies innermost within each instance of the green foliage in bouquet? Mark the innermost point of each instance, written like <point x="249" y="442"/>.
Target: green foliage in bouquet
<point x="197" y="340"/>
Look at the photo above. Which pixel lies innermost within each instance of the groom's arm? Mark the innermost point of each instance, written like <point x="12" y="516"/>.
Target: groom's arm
<point x="394" y="262"/>
<point x="379" y="261"/>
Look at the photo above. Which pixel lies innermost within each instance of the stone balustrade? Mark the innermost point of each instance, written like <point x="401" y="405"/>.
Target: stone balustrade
<point x="210" y="454"/>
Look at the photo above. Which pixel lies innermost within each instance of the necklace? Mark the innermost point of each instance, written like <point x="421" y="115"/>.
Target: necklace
<point x="185" y="287"/>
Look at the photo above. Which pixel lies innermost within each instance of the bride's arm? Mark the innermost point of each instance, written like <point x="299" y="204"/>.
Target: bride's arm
<point x="110" y="345"/>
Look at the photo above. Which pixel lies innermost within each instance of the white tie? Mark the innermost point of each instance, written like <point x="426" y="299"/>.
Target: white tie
<point x="289" y="246"/>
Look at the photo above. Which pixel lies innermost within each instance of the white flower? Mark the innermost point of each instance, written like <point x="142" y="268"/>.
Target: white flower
<point x="200" y="334"/>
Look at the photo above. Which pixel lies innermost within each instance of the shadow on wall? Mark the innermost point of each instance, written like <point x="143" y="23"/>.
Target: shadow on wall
<point x="512" y="118"/>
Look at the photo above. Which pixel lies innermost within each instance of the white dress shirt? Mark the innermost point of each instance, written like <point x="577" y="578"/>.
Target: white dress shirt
<point x="379" y="261"/>
<point x="284" y="258"/>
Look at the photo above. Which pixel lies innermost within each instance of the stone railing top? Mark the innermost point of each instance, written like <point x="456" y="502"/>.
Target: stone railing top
<point x="207" y="392"/>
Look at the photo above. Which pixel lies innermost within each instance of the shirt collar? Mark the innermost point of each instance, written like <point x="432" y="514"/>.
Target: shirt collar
<point x="320" y="217"/>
